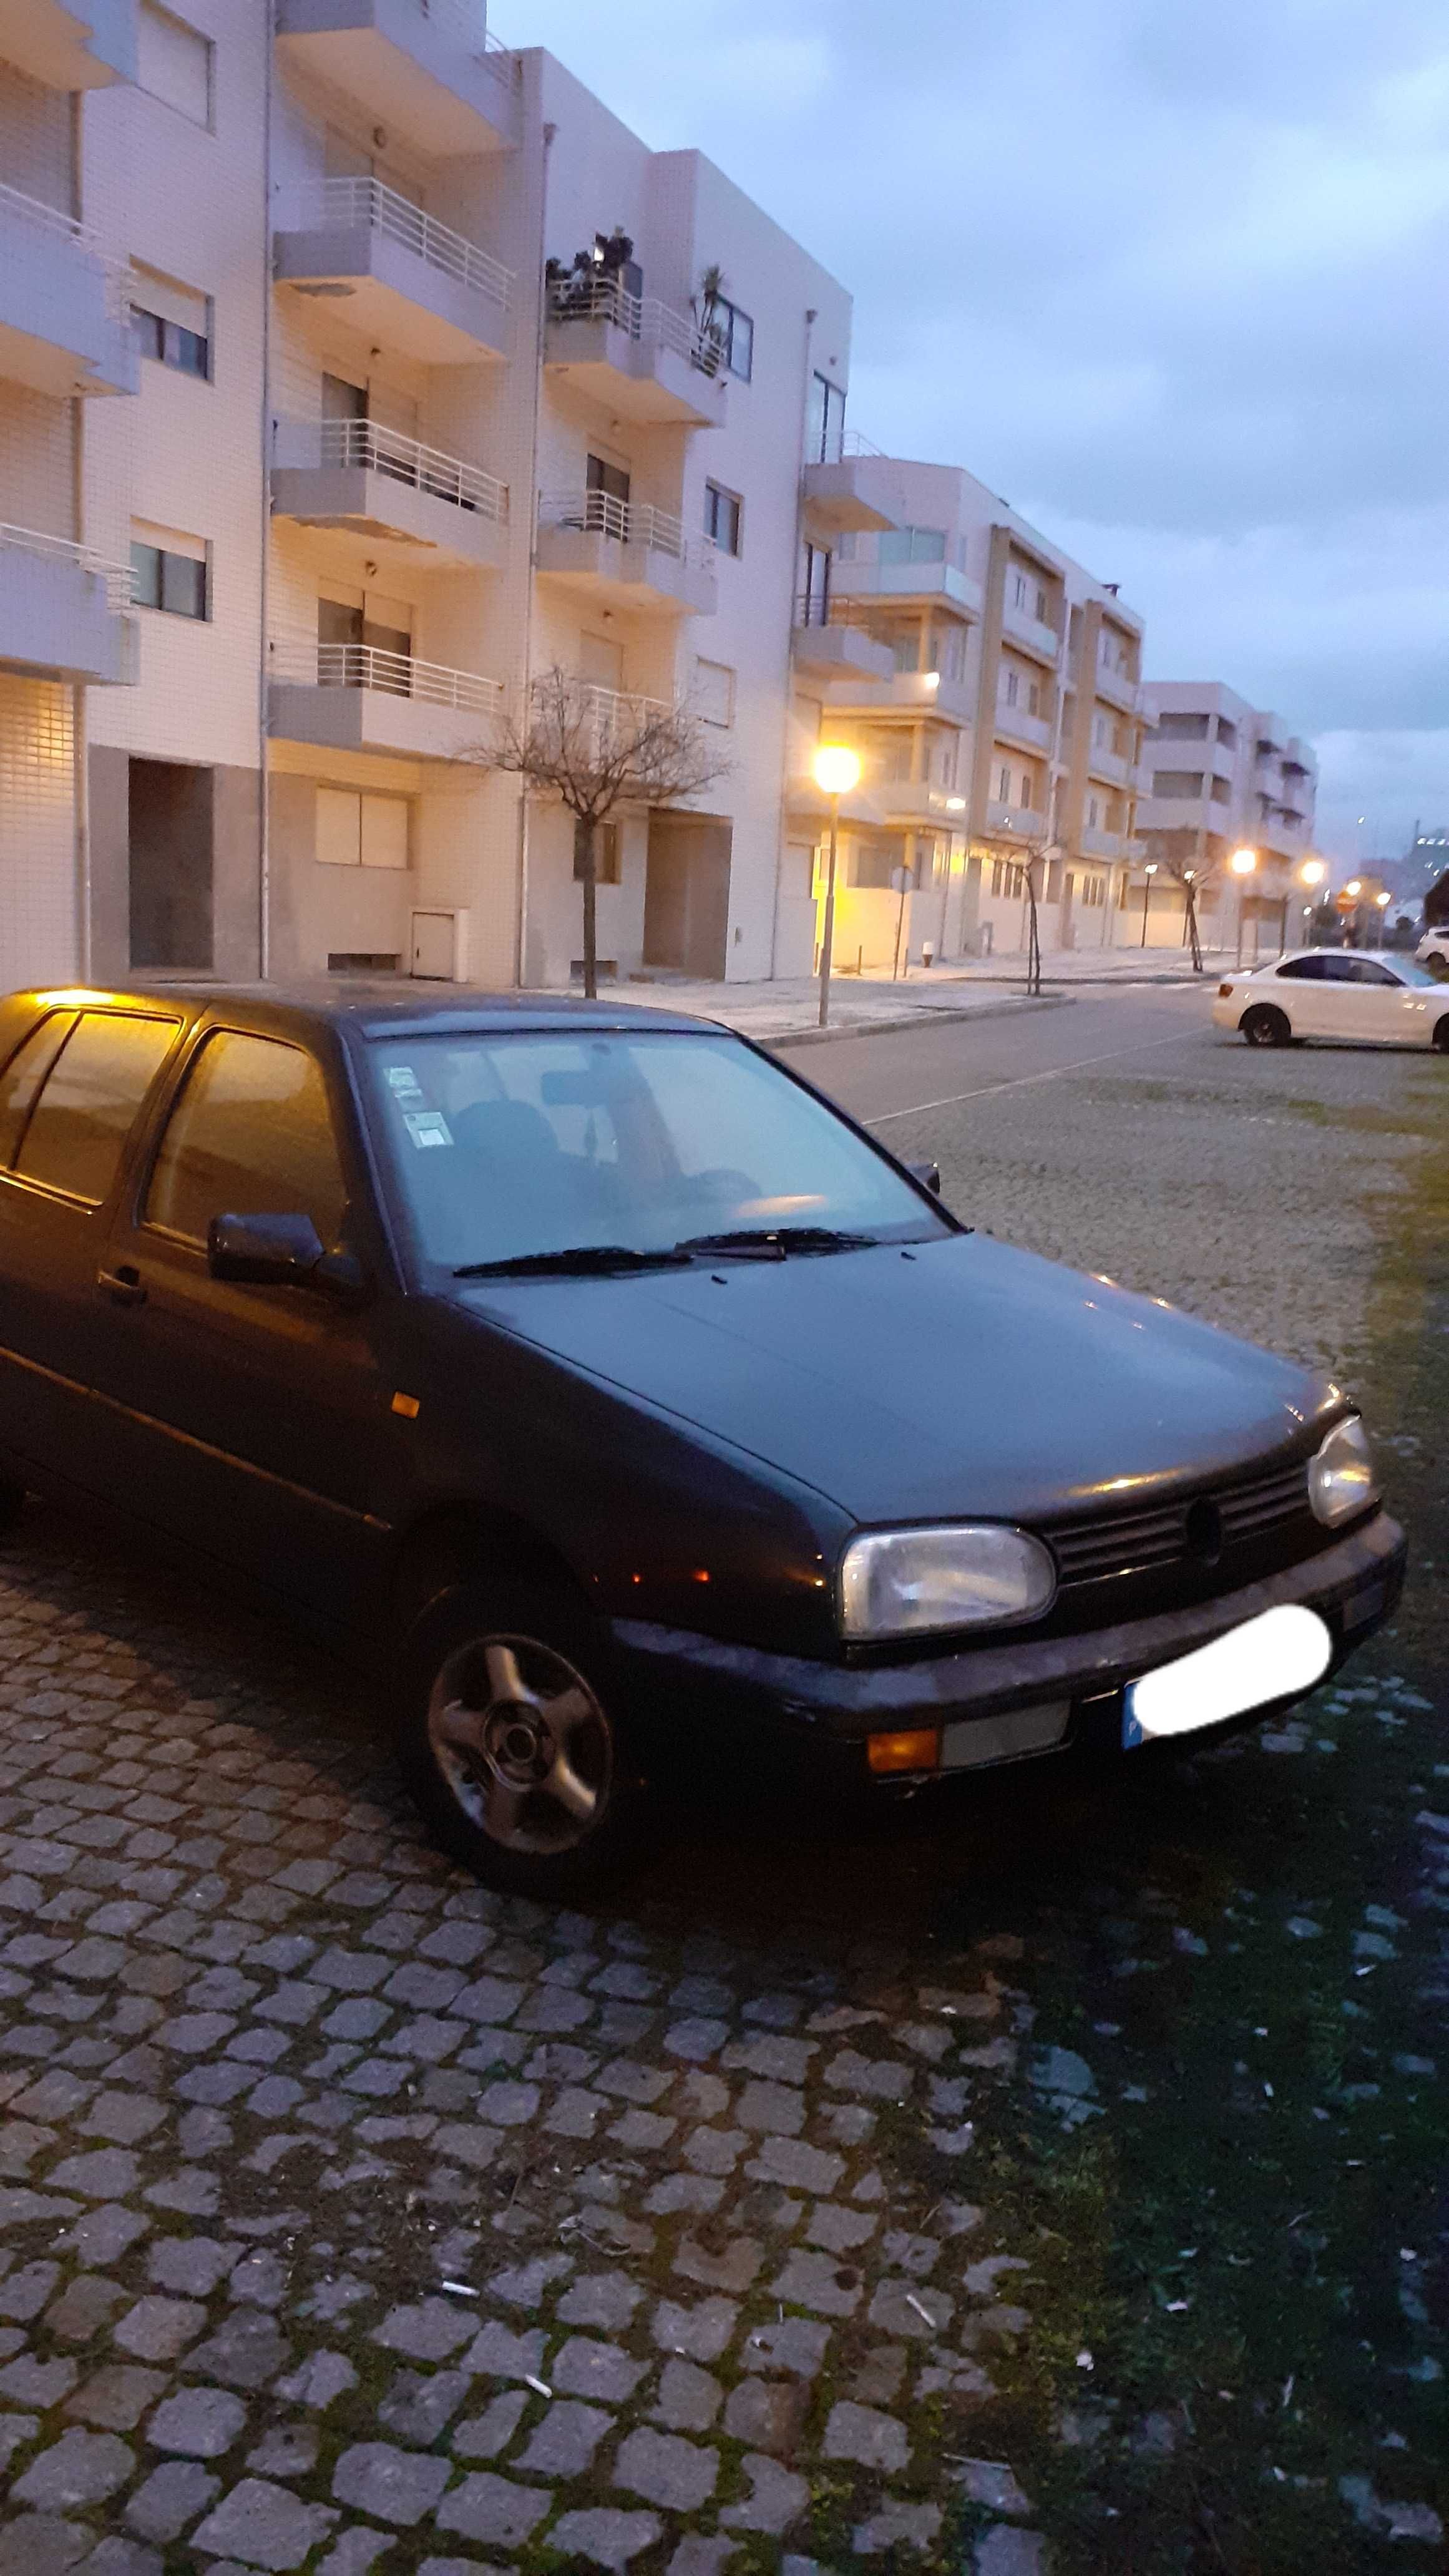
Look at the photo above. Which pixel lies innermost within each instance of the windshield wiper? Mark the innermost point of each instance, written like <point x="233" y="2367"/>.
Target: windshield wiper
<point x="578" y="1260"/>
<point x="777" y="1242"/>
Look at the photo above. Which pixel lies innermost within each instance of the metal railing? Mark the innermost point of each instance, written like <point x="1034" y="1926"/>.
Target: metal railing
<point x="632" y="523"/>
<point x="32" y="541"/>
<point x="338" y="444"/>
<point x="306" y="663"/>
<point x="605" y="717"/>
<point x="841" y="444"/>
<point x="324" y="205"/>
<point x="578" y="298"/>
<point x="467" y="20"/>
<point x="816" y="608"/>
<point x="50" y="224"/>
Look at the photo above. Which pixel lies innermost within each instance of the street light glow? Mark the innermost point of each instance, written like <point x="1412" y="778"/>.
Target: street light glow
<point x="1383" y="901"/>
<point x="1354" y="886"/>
<point x="836" y="769"/>
<point x="1312" y="872"/>
<point x="1243" y="862"/>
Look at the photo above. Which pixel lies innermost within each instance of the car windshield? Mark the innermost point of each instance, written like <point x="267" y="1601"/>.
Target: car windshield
<point x="515" y="1146"/>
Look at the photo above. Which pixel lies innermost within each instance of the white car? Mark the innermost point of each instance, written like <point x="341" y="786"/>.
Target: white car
<point x="1433" y="949"/>
<point x="1341" y="993"/>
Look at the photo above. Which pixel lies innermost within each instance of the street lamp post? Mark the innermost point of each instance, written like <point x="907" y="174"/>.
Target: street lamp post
<point x="1148" y="873"/>
<point x="1383" y="902"/>
<point x="1242" y="863"/>
<point x="837" y="772"/>
<point x="1311" y="874"/>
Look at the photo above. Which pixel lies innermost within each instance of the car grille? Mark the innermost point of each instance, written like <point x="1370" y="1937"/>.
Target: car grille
<point x="1197" y="1529"/>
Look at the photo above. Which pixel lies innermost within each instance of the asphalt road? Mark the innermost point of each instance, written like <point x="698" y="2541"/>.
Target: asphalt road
<point x="1048" y="2179"/>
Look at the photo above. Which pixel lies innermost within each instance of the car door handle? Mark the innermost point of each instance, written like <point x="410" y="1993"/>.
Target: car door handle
<point x="123" y="1285"/>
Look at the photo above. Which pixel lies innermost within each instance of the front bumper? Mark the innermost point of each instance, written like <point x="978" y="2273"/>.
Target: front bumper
<point x="689" y="1688"/>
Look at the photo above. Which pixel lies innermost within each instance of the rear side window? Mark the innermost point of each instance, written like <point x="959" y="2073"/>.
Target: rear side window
<point x="24" y="1075"/>
<point x="249" y="1136"/>
<point x="1305" y="970"/>
<point x="87" y="1108"/>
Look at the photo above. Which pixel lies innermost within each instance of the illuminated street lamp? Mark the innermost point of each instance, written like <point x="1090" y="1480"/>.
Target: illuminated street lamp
<point x="1242" y="863"/>
<point x="1383" y="902"/>
<point x="837" y="772"/>
<point x="1148" y="873"/>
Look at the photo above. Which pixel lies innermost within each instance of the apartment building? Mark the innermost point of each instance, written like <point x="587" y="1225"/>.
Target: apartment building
<point x="431" y="379"/>
<point x="991" y="686"/>
<point x="1224" y="777"/>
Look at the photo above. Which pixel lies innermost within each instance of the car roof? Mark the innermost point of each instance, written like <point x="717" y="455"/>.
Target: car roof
<point x="384" y="1009"/>
<point x="1376" y="956"/>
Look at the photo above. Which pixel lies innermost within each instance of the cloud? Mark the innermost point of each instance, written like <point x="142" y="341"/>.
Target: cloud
<point x="1169" y="273"/>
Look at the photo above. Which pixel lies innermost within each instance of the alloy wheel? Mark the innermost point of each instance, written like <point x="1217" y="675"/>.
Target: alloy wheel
<point x="523" y="1744"/>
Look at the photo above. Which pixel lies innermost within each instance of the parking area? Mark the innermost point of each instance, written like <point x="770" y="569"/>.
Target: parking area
<point x="1049" y="2180"/>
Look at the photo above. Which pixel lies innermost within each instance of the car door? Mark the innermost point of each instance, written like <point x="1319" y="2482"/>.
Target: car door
<point x="251" y="1414"/>
<point x="1398" y="1011"/>
<point x="1298" y="984"/>
<point x="71" y="1104"/>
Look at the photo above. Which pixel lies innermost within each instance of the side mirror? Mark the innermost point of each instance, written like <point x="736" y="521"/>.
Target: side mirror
<point x="929" y="1176"/>
<point x="264" y="1251"/>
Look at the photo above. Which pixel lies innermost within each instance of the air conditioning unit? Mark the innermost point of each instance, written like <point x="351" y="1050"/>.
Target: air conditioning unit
<point x="438" y="952"/>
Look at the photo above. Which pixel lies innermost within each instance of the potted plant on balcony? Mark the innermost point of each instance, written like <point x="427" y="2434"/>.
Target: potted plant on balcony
<point x="709" y="319"/>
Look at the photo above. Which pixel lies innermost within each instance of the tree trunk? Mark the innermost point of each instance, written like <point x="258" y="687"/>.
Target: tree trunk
<point x="586" y="843"/>
<point x="1193" y="931"/>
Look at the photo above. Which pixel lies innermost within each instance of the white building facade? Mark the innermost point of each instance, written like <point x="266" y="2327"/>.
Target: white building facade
<point x="429" y="379"/>
<point x="1225" y="778"/>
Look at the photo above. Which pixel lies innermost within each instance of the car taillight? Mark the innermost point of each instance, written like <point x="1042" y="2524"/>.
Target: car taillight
<point x="1224" y="992"/>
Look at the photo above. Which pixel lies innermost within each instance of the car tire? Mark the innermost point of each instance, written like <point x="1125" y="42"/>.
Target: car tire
<point x="1441" y="1036"/>
<point x="1263" y="1026"/>
<point x="12" y="1504"/>
<point x="509" y="1741"/>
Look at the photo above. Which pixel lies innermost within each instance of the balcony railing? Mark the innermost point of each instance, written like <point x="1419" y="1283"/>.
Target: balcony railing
<point x="301" y="660"/>
<point x="632" y="523"/>
<point x="604" y="717"/>
<point x="840" y="444"/>
<point x="340" y="205"/>
<point x="467" y="22"/>
<point x="50" y="225"/>
<point x="116" y="576"/>
<point x="337" y="444"/>
<point x="639" y="317"/>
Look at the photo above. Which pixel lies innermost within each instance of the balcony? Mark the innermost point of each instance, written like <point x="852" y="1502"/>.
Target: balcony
<point x="63" y="610"/>
<point x="835" y="487"/>
<point x="398" y="497"/>
<point x="1029" y="635"/>
<point x="353" y="697"/>
<point x="84" y="47"/>
<point x="625" y="553"/>
<point x="1015" y="823"/>
<point x="936" y="583"/>
<point x="65" y="317"/>
<point x="406" y="281"/>
<point x="922" y="693"/>
<point x="597" y="721"/>
<point x="1111" y="767"/>
<point x="1118" y="690"/>
<point x="1013" y="724"/>
<point x="834" y="651"/>
<point x="1109" y="845"/>
<point x="911" y="803"/>
<point x="636" y="357"/>
<point x="426" y="69"/>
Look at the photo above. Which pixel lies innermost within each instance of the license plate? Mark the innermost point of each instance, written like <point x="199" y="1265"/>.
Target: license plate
<point x="1282" y="1652"/>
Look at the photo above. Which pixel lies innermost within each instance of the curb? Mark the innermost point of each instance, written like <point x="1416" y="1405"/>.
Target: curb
<point x="915" y="1020"/>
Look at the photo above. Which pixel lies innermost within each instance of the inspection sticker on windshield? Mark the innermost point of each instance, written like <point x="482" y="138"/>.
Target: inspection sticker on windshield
<point x="1272" y="1657"/>
<point x="427" y="1127"/>
<point x="403" y="1082"/>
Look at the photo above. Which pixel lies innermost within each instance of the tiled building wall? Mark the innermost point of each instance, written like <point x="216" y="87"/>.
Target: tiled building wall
<point x="38" y="909"/>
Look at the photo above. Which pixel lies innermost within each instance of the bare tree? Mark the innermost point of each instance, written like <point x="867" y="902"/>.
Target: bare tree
<point x="595" y="749"/>
<point x="1192" y="870"/>
<point x="1032" y="884"/>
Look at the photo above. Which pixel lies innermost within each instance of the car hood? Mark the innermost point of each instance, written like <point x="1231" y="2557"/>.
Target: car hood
<point x="968" y="1377"/>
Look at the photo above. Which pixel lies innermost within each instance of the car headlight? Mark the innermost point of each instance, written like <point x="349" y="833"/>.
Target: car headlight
<point x="971" y="1574"/>
<point x="1341" y="1478"/>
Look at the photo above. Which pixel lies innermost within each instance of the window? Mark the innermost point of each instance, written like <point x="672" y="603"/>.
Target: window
<point x="1092" y="813"/>
<point x="1182" y="728"/>
<point x="79" y="1126"/>
<point x="1220" y="790"/>
<point x="911" y="545"/>
<point x="171" y="322"/>
<point x="606" y="853"/>
<point x="736" y="335"/>
<point x="361" y="831"/>
<point x="1003" y="786"/>
<point x="1018" y="590"/>
<point x="815" y="600"/>
<point x="173" y="63"/>
<point x="601" y="476"/>
<point x="1311" y="970"/>
<point x="1227" y="733"/>
<point x="1013" y="687"/>
<point x="714" y="693"/>
<point x="249" y="1136"/>
<point x="825" y="422"/>
<point x="1041" y="605"/>
<point x="23" y="1077"/>
<point x="722" y="517"/>
<point x="169" y="571"/>
<point x="1179" y="785"/>
<point x="1033" y="698"/>
<point x="1026" y="787"/>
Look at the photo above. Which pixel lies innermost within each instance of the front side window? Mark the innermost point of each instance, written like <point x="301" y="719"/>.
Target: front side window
<point x="521" y="1144"/>
<point x="23" y="1077"/>
<point x="250" y="1136"/>
<point x="77" y="1131"/>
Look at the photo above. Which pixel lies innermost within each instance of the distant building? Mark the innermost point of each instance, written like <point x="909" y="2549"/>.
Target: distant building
<point x="1224" y="776"/>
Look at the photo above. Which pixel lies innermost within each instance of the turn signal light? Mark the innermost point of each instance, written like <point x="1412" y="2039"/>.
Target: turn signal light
<point x="1224" y="992"/>
<point x="916" y="1749"/>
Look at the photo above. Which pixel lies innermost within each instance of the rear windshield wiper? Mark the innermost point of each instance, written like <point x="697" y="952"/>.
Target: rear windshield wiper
<point x="776" y="1242"/>
<point x="579" y="1260"/>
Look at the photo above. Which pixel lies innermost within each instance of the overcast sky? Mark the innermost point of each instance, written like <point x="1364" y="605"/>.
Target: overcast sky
<point x="1173" y="275"/>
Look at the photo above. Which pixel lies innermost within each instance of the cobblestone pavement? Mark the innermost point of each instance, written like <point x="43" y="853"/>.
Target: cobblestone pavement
<point x="352" y="2217"/>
